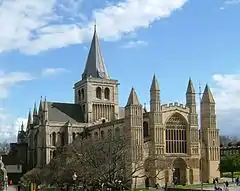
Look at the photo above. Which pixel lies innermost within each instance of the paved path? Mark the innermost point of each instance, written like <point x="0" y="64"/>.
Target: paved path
<point x="12" y="188"/>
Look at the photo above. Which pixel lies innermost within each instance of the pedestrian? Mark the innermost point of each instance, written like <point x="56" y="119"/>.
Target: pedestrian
<point x="227" y="184"/>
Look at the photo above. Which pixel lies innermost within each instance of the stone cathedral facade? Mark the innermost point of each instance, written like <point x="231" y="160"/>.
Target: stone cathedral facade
<point x="169" y="132"/>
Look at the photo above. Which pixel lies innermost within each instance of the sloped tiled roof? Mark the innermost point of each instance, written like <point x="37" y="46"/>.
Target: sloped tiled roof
<point x="63" y="112"/>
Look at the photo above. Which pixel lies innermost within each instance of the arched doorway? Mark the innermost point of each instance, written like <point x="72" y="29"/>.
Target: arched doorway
<point x="147" y="184"/>
<point x="179" y="171"/>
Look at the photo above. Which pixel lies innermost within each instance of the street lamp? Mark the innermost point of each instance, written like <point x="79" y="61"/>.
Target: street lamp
<point x="74" y="177"/>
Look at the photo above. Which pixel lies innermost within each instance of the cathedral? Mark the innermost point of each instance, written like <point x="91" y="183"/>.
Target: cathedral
<point x="184" y="150"/>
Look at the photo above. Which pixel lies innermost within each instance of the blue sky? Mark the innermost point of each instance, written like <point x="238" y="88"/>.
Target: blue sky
<point x="44" y="45"/>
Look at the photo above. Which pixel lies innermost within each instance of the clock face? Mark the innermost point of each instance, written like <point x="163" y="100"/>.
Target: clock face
<point x="101" y="74"/>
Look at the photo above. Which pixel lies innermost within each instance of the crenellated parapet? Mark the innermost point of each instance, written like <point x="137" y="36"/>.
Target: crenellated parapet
<point x="174" y="106"/>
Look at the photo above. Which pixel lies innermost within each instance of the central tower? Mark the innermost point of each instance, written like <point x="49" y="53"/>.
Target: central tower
<point x="96" y="92"/>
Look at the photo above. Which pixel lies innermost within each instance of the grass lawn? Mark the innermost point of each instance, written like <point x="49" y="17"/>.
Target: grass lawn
<point x="229" y="175"/>
<point x="192" y="186"/>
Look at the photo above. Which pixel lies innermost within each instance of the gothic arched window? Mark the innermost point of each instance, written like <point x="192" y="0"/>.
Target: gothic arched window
<point x="145" y="129"/>
<point x="107" y="93"/>
<point x="176" y="134"/>
<point x="98" y="93"/>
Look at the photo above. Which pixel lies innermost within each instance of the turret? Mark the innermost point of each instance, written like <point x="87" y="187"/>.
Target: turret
<point x="134" y="128"/>
<point x="21" y="138"/>
<point x="29" y="122"/>
<point x="35" y="114"/>
<point x="208" y="113"/>
<point x="157" y="132"/>
<point x="133" y="99"/>
<point x="155" y="104"/>
<point x="45" y="110"/>
<point x="40" y="111"/>
<point x="191" y="97"/>
<point x="210" y="137"/>
<point x="192" y="133"/>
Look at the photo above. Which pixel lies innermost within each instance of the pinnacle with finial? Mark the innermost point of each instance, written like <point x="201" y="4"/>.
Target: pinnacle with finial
<point x="207" y="95"/>
<point x="155" y="84"/>
<point x="133" y="98"/>
<point x="190" y="87"/>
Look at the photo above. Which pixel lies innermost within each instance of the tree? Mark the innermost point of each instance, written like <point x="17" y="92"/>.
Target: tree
<point x="4" y="148"/>
<point x="230" y="163"/>
<point x="105" y="160"/>
<point x="102" y="161"/>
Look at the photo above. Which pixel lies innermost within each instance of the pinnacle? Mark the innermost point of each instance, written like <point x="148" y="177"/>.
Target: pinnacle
<point x="35" y="109"/>
<point x="29" y="118"/>
<point x="155" y="85"/>
<point x="207" y="96"/>
<point x="133" y="99"/>
<point x="190" y="88"/>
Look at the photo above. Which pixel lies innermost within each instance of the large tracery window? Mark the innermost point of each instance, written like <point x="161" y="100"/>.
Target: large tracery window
<point x="176" y="134"/>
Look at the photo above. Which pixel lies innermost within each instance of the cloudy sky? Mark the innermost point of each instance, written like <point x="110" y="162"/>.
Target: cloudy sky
<point x="44" y="44"/>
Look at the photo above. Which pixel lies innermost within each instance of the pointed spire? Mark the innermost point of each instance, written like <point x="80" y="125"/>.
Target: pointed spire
<point x="133" y="99"/>
<point x="41" y="105"/>
<point x="95" y="66"/>
<point x="22" y="126"/>
<point x="29" y="118"/>
<point x="35" y="109"/>
<point x="155" y="85"/>
<point x="45" y="105"/>
<point x="190" y="88"/>
<point x="207" y="96"/>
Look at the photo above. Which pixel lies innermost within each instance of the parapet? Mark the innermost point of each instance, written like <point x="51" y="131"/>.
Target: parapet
<point x="174" y="105"/>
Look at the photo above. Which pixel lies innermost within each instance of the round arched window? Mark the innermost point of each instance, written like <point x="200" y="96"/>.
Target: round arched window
<point x="98" y="93"/>
<point x="107" y="93"/>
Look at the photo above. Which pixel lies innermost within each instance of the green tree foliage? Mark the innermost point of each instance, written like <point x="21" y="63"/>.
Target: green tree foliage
<point x="230" y="163"/>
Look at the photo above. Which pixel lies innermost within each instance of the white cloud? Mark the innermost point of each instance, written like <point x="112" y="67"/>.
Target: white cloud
<point x="8" y="80"/>
<point x="229" y="3"/>
<point x="9" y="128"/>
<point x="232" y="2"/>
<point x="133" y="44"/>
<point x="53" y="71"/>
<point x="34" y="26"/>
<point x="226" y="91"/>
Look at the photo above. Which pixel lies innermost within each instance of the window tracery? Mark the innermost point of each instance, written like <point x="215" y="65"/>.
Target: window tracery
<point x="176" y="134"/>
